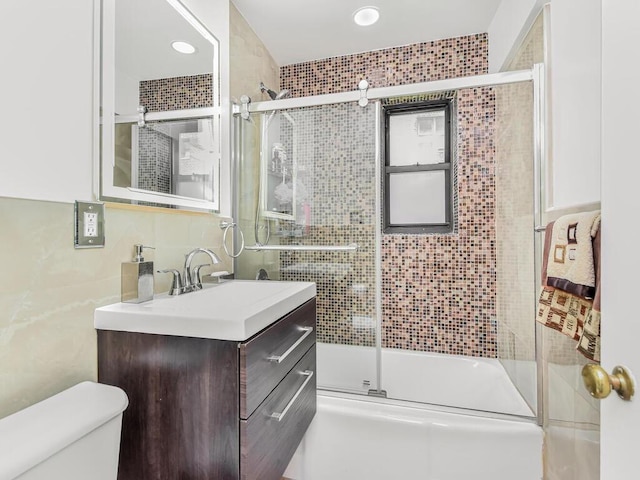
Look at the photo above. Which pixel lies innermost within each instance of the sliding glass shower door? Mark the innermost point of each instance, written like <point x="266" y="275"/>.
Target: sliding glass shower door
<point x="307" y="206"/>
<point x="441" y="318"/>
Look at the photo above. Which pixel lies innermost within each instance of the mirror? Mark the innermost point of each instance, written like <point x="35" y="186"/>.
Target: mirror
<point x="160" y="125"/>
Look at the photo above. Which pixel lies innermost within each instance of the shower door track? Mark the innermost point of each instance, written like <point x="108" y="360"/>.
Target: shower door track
<point x="476" y="81"/>
<point x="353" y="247"/>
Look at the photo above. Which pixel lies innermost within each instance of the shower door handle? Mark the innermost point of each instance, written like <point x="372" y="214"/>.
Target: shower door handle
<point x="599" y="383"/>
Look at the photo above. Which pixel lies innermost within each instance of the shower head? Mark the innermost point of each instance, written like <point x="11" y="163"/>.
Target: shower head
<point x="284" y="93"/>
<point x="273" y="95"/>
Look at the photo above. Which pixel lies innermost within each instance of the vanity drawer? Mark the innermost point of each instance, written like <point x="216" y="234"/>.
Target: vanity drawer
<point x="267" y="443"/>
<point x="267" y="358"/>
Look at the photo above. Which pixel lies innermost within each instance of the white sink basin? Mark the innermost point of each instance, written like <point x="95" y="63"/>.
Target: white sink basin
<point x="233" y="310"/>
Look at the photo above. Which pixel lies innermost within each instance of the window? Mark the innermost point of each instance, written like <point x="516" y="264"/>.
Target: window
<point x="418" y="173"/>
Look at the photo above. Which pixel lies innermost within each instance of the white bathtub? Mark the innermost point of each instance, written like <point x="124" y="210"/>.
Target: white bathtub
<point x="355" y="438"/>
<point x="409" y="435"/>
<point x="450" y="380"/>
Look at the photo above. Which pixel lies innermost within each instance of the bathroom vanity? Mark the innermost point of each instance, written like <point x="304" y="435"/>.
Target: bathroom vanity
<point x="221" y="382"/>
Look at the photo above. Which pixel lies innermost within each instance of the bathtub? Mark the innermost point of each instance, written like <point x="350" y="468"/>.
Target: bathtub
<point x="452" y="380"/>
<point x="415" y="434"/>
<point x="354" y="438"/>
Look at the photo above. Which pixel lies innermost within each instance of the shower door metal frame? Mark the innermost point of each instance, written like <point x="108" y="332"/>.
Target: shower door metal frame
<point x="476" y="81"/>
<point x="540" y="177"/>
<point x="536" y="76"/>
<point x="378" y="391"/>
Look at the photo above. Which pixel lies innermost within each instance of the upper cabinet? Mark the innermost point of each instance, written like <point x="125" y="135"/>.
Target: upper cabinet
<point x="160" y="130"/>
<point x="576" y="91"/>
<point x="572" y="44"/>
<point x="47" y="110"/>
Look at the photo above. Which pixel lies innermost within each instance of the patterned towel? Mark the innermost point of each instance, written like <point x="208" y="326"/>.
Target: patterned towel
<point x="577" y="316"/>
<point x="571" y="265"/>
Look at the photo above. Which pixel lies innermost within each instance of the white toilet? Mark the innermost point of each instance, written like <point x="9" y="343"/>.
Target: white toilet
<point x="74" y="435"/>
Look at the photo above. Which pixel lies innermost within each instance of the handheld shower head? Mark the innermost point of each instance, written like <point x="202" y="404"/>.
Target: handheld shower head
<point x="273" y="95"/>
<point x="283" y="94"/>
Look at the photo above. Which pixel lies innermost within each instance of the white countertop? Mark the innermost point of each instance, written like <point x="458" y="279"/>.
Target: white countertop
<point x="232" y="310"/>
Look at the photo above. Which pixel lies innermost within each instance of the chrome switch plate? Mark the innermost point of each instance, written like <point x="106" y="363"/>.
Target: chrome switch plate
<point x="89" y="225"/>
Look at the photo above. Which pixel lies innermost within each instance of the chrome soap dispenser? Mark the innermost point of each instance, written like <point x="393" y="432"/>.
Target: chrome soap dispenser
<point x="137" y="278"/>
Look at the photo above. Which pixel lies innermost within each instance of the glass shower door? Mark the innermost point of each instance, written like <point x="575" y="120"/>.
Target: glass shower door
<point x="307" y="189"/>
<point x="458" y="307"/>
<point x="403" y="313"/>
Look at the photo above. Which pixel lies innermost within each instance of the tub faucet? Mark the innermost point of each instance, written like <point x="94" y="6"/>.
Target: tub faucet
<point x="192" y="282"/>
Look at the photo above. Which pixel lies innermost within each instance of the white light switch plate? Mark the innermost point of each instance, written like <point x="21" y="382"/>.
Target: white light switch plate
<point x="89" y="225"/>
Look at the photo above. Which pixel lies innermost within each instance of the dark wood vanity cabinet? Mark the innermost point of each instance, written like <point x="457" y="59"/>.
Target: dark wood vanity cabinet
<point x="204" y="409"/>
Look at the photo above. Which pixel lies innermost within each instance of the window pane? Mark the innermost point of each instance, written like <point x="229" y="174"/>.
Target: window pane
<point x="417" y="198"/>
<point x="417" y="138"/>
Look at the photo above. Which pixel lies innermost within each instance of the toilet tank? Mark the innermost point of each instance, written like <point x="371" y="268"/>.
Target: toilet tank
<point x="74" y="435"/>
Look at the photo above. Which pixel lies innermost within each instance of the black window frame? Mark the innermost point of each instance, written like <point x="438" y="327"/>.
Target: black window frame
<point x="445" y="105"/>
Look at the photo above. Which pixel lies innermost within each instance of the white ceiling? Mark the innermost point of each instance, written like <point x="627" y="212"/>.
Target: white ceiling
<point x="297" y="31"/>
<point x="144" y="31"/>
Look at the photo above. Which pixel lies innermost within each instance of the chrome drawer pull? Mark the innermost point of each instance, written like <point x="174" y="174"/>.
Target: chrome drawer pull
<point x="280" y="416"/>
<point x="280" y="358"/>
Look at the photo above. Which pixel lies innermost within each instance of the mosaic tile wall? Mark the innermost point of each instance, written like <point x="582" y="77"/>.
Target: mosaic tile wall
<point x="177" y="93"/>
<point x="155" y="148"/>
<point x="335" y="200"/>
<point x="420" y="62"/>
<point x="154" y="160"/>
<point x="438" y="290"/>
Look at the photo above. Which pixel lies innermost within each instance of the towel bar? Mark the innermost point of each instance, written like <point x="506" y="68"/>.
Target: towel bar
<point x="305" y="248"/>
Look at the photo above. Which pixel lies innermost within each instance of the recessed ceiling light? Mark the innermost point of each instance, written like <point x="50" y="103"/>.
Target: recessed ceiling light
<point x="183" y="47"/>
<point x="366" y="16"/>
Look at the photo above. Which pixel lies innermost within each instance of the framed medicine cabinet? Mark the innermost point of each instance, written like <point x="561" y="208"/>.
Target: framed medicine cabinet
<point x="160" y="106"/>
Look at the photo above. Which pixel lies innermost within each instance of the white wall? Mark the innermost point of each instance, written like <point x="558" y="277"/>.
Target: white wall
<point x="50" y="289"/>
<point x="47" y="94"/>
<point x="508" y="28"/>
<point x="576" y="112"/>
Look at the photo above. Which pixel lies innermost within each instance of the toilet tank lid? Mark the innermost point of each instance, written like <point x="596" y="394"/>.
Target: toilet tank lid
<point x="32" y="435"/>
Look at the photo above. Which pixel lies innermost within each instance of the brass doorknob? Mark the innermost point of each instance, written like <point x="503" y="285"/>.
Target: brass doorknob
<point x="599" y="383"/>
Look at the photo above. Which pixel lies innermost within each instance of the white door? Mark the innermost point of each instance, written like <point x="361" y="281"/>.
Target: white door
<point x="620" y="439"/>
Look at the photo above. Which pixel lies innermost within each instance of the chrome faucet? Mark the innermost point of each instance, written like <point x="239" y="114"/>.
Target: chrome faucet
<point x="190" y="277"/>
